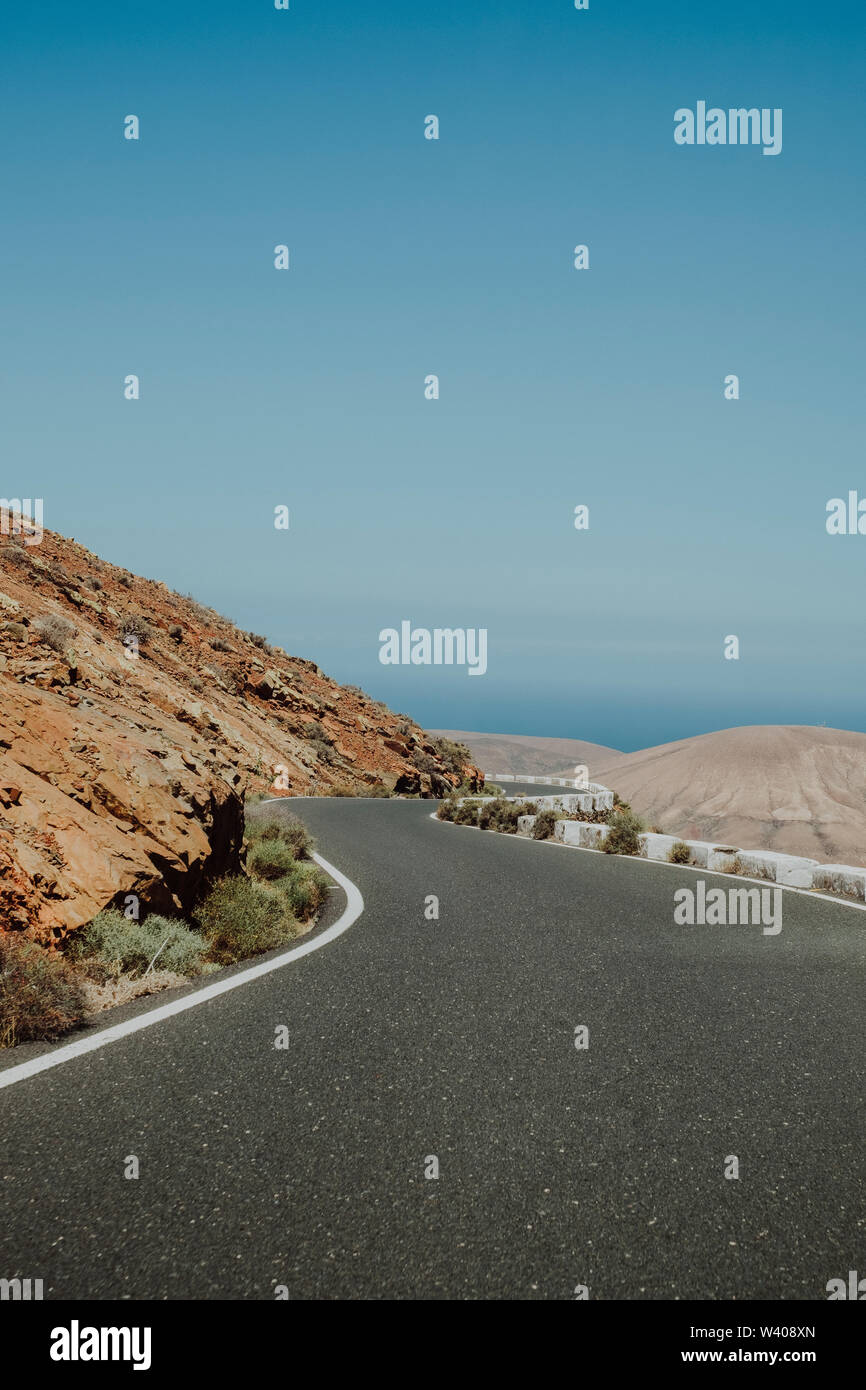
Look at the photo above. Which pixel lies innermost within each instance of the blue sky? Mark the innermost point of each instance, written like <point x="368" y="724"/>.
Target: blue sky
<point x="410" y="257"/>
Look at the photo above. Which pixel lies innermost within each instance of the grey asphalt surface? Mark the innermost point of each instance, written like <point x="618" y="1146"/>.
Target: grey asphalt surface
<point x="455" y="1038"/>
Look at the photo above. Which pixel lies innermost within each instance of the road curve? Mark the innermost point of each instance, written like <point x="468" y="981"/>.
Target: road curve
<point x="454" y="1038"/>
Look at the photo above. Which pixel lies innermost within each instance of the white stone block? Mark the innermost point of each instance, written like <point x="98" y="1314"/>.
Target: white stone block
<point x="840" y="878"/>
<point x="792" y="870"/>
<point x="568" y="831"/>
<point x="656" y="846"/>
<point x="722" y="858"/>
<point x="699" y="852"/>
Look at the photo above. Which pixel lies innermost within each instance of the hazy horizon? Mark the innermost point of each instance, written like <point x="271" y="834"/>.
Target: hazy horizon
<point x="602" y="387"/>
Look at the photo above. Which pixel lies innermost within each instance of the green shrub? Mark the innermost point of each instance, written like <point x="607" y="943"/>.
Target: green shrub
<point x="305" y="889"/>
<point x="288" y="829"/>
<point x="455" y="756"/>
<point x="447" y="809"/>
<point x="499" y="815"/>
<point x="625" y="830"/>
<point x="466" y="813"/>
<point x="270" y="859"/>
<point x="544" y="825"/>
<point x="680" y="853"/>
<point x="127" y="947"/>
<point x="240" y="918"/>
<point x="40" y="995"/>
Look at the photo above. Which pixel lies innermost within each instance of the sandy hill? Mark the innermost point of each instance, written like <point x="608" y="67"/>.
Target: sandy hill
<point x="793" y="788"/>
<point x="516" y="753"/>
<point x="133" y="721"/>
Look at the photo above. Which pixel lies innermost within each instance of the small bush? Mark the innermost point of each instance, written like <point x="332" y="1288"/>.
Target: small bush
<point x="58" y="575"/>
<point x="314" y="731"/>
<point x="340" y="790"/>
<point x="304" y="890"/>
<point x="257" y="639"/>
<point x="289" y="830"/>
<point x="57" y="633"/>
<point x="270" y="859"/>
<point x="137" y="626"/>
<point x="127" y="947"/>
<point x="625" y="830"/>
<point x="15" y="555"/>
<point x="324" y="752"/>
<point x="466" y="813"/>
<point x="196" y="683"/>
<point x="447" y="809"/>
<point x="219" y="645"/>
<point x="125" y="579"/>
<point x="455" y="756"/>
<point x="680" y="853"/>
<point x="175" y="632"/>
<point x="378" y="789"/>
<point x="90" y="582"/>
<point x="545" y="823"/>
<point x="40" y="996"/>
<point x="240" y="918"/>
<point x="499" y="815"/>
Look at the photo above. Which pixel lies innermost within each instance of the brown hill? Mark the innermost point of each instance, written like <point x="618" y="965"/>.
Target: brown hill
<point x="516" y="753"/>
<point x="524" y="754"/>
<point x="793" y="788"/>
<point x="124" y="771"/>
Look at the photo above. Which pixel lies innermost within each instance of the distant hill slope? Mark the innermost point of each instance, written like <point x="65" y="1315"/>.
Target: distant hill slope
<point x="794" y="788"/>
<point x="515" y="753"/>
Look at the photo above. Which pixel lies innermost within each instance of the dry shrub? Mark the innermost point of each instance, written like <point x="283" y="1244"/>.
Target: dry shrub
<point x="40" y="996"/>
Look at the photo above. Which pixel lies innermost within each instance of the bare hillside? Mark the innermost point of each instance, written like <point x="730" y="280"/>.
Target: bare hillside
<point x="794" y="788"/>
<point x="516" y="753"/>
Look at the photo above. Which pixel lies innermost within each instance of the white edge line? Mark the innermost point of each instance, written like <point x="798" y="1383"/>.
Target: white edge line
<point x="354" y="908"/>
<point x="666" y="864"/>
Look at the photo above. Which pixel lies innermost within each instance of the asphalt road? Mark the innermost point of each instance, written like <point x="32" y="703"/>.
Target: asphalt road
<point x="454" y="1038"/>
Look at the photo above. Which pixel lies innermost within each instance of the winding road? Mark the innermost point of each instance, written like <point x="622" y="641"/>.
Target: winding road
<point x="412" y="1038"/>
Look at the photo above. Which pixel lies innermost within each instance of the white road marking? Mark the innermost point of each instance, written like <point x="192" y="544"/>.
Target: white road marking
<point x="66" y="1052"/>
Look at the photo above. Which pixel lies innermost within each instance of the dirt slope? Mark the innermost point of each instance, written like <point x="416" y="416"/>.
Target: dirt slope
<point x="794" y="788"/>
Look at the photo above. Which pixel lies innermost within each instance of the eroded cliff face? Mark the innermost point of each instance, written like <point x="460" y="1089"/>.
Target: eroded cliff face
<point x="133" y="722"/>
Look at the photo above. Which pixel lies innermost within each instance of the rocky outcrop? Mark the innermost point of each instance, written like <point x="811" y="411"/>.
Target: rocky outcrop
<point x="134" y="721"/>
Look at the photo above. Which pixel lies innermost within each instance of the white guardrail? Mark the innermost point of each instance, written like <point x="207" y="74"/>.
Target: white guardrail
<point x="794" y="871"/>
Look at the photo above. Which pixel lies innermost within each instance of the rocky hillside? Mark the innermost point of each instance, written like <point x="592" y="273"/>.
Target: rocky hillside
<point x="133" y="722"/>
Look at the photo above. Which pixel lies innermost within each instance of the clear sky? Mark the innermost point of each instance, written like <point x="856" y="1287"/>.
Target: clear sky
<point x="455" y="257"/>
